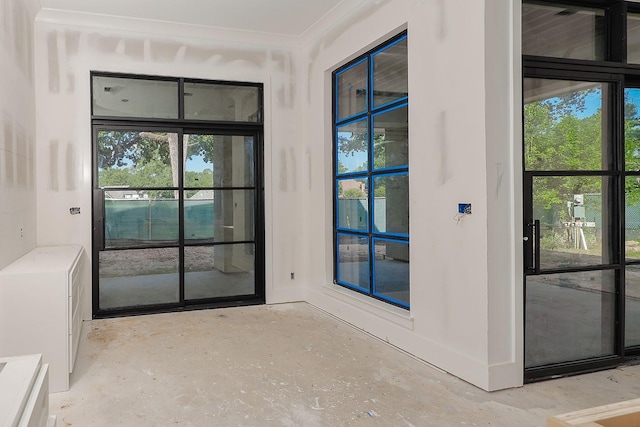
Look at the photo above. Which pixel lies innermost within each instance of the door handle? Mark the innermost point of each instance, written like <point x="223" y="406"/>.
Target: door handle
<point x="535" y="229"/>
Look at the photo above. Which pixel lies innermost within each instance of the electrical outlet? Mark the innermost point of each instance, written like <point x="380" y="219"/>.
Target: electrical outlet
<point x="464" y="208"/>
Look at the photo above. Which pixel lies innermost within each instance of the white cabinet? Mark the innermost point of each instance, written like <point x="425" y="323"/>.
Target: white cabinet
<point x="41" y="308"/>
<point x="24" y="394"/>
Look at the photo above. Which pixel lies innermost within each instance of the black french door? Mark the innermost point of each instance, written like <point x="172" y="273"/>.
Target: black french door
<point x="573" y="217"/>
<point x="178" y="218"/>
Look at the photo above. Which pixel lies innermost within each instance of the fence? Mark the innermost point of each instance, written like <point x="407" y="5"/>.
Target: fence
<point x="149" y="220"/>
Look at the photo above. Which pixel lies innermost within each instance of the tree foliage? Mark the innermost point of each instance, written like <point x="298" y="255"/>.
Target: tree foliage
<point x="561" y="134"/>
<point x="145" y="159"/>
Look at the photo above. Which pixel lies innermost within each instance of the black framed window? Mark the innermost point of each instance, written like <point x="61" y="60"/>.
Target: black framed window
<point x="371" y="173"/>
<point x="178" y="204"/>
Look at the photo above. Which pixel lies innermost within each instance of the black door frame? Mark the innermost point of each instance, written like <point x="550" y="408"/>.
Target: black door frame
<point x="182" y="126"/>
<point x="546" y="68"/>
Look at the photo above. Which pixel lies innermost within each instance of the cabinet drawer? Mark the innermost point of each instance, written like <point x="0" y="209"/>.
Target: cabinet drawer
<point x="75" y="278"/>
<point x="74" y="341"/>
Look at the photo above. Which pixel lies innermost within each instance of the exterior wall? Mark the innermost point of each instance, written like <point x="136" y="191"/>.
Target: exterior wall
<point x="17" y="131"/>
<point x="464" y="311"/>
<point x="68" y="47"/>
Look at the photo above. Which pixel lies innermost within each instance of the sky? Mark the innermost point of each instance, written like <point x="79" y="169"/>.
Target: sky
<point x="593" y="102"/>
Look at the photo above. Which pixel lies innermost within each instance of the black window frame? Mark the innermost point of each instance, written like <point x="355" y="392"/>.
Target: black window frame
<point x="182" y="126"/>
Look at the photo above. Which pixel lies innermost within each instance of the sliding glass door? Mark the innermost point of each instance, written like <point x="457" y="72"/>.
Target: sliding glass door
<point x="175" y="217"/>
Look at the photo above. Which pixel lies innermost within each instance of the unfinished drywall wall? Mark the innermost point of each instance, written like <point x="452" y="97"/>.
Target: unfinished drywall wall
<point x="460" y="151"/>
<point x="66" y="52"/>
<point x="17" y="131"/>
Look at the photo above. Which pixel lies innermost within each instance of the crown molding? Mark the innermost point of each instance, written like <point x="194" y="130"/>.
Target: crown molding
<point x="165" y="28"/>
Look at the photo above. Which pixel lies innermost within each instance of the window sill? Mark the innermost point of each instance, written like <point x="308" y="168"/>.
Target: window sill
<point x="397" y="315"/>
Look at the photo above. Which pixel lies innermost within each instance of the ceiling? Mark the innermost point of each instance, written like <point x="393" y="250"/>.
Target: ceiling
<point x="283" y="17"/>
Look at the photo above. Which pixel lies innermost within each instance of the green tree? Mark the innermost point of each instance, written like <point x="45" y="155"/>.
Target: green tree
<point x="150" y="159"/>
<point x="353" y="193"/>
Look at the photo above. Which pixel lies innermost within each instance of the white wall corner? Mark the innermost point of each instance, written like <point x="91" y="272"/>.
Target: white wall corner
<point x="504" y="198"/>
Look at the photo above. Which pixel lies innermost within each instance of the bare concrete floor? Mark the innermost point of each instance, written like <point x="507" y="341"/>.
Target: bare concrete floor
<point x="290" y="365"/>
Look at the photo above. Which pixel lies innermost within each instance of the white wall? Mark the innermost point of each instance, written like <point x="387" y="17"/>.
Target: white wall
<point x="68" y="47"/>
<point x="464" y="310"/>
<point x="17" y="131"/>
<point x="503" y="134"/>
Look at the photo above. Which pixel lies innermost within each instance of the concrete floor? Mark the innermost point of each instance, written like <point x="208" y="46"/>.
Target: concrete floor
<point x="290" y="365"/>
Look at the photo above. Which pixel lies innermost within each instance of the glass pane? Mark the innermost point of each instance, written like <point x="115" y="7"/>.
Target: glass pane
<point x="632" y="306"/>
<point x="131" y="222"/>
<point x="219" y="271"/>
<point x="218" y="102"/>
<point x="390" y="81"/>
<point x="574" y="220"/>
<point x="353" y="147"/>
<point x="632" y="218"/>
<point x="391" y="271"/>
<point x="352" y="210"/>
<point x="132" y="278"/>
<point x="136" y="159"/>
<point x="632" y="129"/>
<point x="126" y="97"/>
<point x="569" y="316"/>
<point x="563" y="125"/>
<point x="633" y="38"/>
<point x="563" y="31"/>
<point x="351" y="90"/>
<point x="353" y="261"/>
<point x="220" y="216"/>
<point x="391" y="204"/>
<point x="391" y="138"/>
<point x="219" y="161"/>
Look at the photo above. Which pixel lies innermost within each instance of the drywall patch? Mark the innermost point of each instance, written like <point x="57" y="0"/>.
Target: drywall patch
<point x="309" y="168"/>
<point x="31" y="170"/>
<point x="71" y="168"/>
<point x="61" y="44"/>
<point x="71" y="83"/>
<point x="21" y="158"/>
<point x="246" y="59"/>
<point x="53" y="165"/>
<point x="102" y="44"/>
<point x="292" y="154"/>
<point x="147" y="51"/>
<point x="5" y="33"/>
<point x="22" y="38"/>
<point x="283" y="171"/>
<point x="179" y="58"/>
<point x="282" y="63"/>
<point x="441" y="129"/>
<point x="53" y="62"/>
<point x="197" y="55"/>
<point x="9" y="150"/>
<point x="121" y="47"/>
<point x="164" y="51"/>
<point x="134" y="49"/>
<point x="441" y="21"/>
<point x="72" y="42"/>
